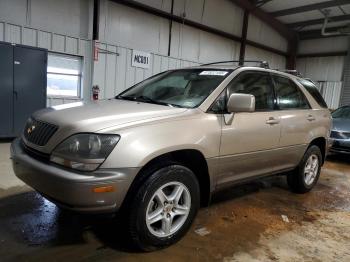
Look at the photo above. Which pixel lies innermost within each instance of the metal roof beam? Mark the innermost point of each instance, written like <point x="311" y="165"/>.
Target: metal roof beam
<point x="313" y="34"/>
<point x="326" y="54"/>
<point x="306" y="8"/>
<point x="266" y="17"/>
<point x="339" y="18"/>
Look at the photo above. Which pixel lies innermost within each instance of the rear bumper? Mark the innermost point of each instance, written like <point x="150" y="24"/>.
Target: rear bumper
<point x="69" y="189"/>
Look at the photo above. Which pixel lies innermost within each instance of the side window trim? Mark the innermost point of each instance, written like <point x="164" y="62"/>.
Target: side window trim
<point x="243" y="72"/>
<point x="297" y="87"/>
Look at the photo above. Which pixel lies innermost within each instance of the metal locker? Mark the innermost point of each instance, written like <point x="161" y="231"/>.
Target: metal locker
<point x="30" y="69"/>
<point x="6" y="90"/>
<point x="22" y="85"/>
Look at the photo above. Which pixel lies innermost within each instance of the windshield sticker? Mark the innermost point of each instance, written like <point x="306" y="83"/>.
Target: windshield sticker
<point x="213" y="73"/>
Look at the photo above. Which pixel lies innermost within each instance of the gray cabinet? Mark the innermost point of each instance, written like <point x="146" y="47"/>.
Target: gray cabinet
<point x="22" y="86"/>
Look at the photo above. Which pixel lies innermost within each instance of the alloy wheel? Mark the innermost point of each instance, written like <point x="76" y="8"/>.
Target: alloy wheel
<point x="168" y="209"/>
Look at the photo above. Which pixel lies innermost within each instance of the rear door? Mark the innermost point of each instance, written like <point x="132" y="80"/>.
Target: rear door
<point x="249" y="143"/>
<point x="297" y="119"/>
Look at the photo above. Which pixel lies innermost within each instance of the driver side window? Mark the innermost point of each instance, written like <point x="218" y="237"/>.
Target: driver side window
<point x="258" y="84"/>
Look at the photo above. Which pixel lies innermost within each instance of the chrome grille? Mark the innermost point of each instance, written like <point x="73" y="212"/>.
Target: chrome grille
<point x="38" y="132"/>
<point x="340" y="135"/>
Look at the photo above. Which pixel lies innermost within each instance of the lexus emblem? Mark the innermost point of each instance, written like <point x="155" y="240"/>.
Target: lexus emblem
<point x="30" y="130"/>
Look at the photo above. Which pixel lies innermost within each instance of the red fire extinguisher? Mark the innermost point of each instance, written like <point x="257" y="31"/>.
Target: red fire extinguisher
<point x="95" y="92"/>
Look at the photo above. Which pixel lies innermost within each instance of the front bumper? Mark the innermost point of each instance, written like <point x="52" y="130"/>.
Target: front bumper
<point x="340" y="146"/>
<point x="72" y="189"/>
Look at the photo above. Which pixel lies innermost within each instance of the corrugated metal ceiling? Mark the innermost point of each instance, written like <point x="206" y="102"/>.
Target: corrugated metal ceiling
<point x="340" y="8"/>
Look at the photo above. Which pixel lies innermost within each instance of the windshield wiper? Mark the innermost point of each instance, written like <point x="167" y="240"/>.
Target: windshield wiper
<point x="131" y="98"/>
<point x="145" y="99"/>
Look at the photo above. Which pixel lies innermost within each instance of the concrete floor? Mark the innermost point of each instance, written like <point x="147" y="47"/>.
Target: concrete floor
<point x="245" y="224"/>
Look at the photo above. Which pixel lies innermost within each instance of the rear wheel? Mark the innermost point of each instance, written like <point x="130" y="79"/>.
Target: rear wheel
<point x="163" y="208"/>
<point x="306" y="175"/>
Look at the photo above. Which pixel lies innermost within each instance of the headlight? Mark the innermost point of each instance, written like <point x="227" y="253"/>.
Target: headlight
<point x="84" y="151"/>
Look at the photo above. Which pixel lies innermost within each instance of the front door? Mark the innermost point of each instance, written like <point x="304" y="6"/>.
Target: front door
<point x="249" y="145"/>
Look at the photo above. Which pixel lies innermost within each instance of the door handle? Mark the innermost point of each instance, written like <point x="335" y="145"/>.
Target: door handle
<point x="311" y="118"/>
<point x="272" y="121"/>
<point x="15" y="94"/>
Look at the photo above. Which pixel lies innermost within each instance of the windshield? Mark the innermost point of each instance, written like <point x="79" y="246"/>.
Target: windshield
<point x="180" y="88"/>
<point x="343" y="112"/>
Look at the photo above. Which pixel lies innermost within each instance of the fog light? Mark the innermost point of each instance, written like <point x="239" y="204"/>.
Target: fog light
<point x="103" y="189"/>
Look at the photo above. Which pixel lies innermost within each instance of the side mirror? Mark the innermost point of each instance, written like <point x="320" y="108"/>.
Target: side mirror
<point x="241" y="103"/>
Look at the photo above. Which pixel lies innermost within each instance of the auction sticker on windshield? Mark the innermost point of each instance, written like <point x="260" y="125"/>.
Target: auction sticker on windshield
<point x="213" y="73"/>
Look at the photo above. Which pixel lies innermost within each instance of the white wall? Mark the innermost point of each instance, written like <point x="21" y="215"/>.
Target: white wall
<point x="127" y="27"/>
<point x="260" y="32"/>
<point x="322" y="68"/>
<point x="114" y="73"/>
<point x="323" y="45"/>
<point x="66" y="26"/>
<point x="275" y="61"/>
<point x="68" y="17"/>
<point x="326" y="71"/>
<point x="123" y="28"/>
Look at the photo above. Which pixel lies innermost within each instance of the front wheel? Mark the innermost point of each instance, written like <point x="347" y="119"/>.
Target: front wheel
<point x="163" y="208"/>
<point x="306" y="175"/>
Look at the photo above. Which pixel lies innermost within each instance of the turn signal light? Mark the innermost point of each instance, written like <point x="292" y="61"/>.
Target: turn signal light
<point x="103" y="189"/>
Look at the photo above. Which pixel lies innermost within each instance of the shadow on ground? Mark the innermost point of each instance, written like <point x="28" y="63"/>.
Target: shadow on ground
<point x="30" y="219"/>
<point x="32" y="228"/>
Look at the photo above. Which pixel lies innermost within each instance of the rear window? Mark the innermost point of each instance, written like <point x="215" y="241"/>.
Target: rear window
<point x="312" y="89"/>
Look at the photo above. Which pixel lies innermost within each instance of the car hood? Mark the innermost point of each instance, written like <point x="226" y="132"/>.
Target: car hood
<point x="94" y="116"/>
<point x="341" y="124"/>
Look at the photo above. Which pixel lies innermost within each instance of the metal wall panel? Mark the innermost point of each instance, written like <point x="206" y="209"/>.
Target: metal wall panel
<point x="29" y="36"/>
<point x="345" y="96"/>
<point x="13" y="34"/>
<point x="164" y="5"/>
<point x="328" y="69"/>
<point x="223" y="15"/>
<point x="275" y="61"/>
<point x="70" y="17"/>
<point x="260" y="32"/>
<point x="125" y="26"/>
<point x="14" y="11"/>
<point x="63" y="26"/>
<point x="323" y="45"/>
<point x="55" y="43"/>
<point x="114" y="73"/>
<point x="331" y="92"/>
<point x="193" y="9"/>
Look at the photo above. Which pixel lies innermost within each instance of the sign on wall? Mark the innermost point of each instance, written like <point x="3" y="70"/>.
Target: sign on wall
<point x="140" y="59"/>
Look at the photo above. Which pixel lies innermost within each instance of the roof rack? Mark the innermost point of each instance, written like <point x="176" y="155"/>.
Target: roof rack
<point x="292" y="72"/>
<point x="263" y="64"/>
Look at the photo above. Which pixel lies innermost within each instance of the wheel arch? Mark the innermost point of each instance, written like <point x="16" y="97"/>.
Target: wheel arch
<point x="322" y="144"/>
<point x="190" y="158"/>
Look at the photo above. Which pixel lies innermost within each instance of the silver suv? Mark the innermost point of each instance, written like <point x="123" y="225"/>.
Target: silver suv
<point x="158" y="150"/>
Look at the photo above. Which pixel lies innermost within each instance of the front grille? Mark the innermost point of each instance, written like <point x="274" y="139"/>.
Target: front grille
<point x="35" y="153"/>
<point x="38" y="132"/>
<point x="340" y="135"/>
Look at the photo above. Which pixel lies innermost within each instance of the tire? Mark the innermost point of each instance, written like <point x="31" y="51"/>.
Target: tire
<point x="306" y="175"/>
<point x="173" y="215"/>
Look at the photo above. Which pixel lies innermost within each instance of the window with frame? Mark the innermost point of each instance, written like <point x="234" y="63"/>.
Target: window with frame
<point x="254" y="83"/>
<point x="312" y="89"/>
<point x="64" y="75"/>
<point x="289" y="96"/>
